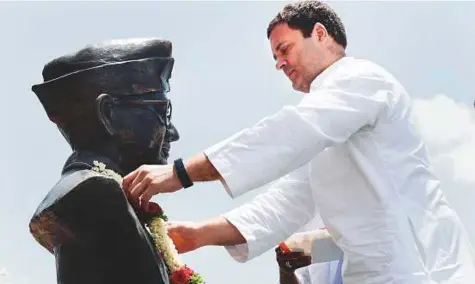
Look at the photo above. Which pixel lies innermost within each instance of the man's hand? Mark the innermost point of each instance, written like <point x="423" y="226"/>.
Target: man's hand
<point x="290" y="261"/>
<point x="148" y="180"/>
<point x="189" y="236"/>
<point x="186" y="236"/>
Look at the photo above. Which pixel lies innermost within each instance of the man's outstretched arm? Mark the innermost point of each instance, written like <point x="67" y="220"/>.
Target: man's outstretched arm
<point x="218" y="231"/>
<point x="141" y="184"/>
<point x="277" y="144"/>
<point x="255" y="227"/>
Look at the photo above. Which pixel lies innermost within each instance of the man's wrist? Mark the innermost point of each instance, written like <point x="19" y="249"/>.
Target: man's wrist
<point x="181" y="173"/>
<point x="219" y="232"/>
<point x="200" y="168"/>
<point x="205" y="235"/>
<point x="196" y="169"/>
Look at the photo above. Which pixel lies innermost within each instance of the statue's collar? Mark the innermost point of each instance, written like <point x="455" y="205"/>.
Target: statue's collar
<point x="83" y="160"/>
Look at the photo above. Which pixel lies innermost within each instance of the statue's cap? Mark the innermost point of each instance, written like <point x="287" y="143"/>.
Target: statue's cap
<point x="123" y="66"/>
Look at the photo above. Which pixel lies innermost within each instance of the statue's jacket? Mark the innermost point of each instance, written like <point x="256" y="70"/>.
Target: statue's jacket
<point x="86" y="218"/>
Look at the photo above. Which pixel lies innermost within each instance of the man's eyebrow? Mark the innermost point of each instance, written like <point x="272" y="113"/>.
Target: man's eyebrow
<point x="277" y="49"/>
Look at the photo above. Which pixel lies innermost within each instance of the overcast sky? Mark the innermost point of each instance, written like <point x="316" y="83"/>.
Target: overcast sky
<point x="224" y="79"/>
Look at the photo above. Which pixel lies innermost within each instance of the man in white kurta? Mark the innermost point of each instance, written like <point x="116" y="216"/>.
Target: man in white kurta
<point x="347" y="151"/>
<point x="355" y="158"/>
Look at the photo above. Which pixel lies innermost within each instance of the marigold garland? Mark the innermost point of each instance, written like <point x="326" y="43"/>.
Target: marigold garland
<point x="156" y="222"/>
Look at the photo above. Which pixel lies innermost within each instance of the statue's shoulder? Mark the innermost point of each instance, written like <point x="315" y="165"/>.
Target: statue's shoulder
<point x="90" y="176"/>
<point x="79" y="195"/>
<point x="79" y="178"/>
<point x="75" y="180"/>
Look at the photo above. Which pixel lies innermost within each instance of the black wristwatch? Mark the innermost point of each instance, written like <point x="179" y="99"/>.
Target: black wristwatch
<point x="182" y="174"/>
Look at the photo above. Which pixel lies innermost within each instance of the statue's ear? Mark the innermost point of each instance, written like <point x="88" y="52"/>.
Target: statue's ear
<point x="104" y="105"/>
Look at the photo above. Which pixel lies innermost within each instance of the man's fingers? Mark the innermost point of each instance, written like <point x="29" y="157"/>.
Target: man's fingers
<point x="129" y="178"/>
<point x="138" y="189"/>
<point x="172" y="227"/>
<point x="140" y="177"/>
<point x="177" y="233"/>
<point x="145" y="198"/>
<point x="176" y="227"/>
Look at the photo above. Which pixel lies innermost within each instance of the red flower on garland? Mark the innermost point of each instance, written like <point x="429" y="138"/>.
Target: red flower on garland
<point x="154" y="208"/>
<point x="182" y="276"/>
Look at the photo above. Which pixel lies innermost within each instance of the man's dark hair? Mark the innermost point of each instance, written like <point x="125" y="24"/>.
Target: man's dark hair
<point x="305" y="14"/>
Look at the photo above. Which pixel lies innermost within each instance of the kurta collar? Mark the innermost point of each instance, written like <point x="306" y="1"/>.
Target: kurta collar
<point x="317" y="82"/>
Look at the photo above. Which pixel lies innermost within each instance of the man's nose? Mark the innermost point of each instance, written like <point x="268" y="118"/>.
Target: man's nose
<point x="280" y="64"/>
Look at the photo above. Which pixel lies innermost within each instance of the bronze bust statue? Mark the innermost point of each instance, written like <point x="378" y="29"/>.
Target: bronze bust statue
<point x="109" y="101"/>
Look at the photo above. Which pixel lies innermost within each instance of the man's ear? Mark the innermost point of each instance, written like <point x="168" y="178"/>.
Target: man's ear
<point x="320" y="32"/>
<point x="104" y="106"/>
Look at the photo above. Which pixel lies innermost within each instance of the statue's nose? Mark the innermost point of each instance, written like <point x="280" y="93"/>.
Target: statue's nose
<point x="172" y="133"/>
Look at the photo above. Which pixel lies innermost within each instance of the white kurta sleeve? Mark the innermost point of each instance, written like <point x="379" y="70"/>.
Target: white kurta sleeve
<point x="272" y="216"/>
<point x="285" y="141"/>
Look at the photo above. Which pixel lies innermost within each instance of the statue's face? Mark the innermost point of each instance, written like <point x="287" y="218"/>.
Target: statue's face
<point x="171" y="135"/>
<point x="143" y="126"/>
